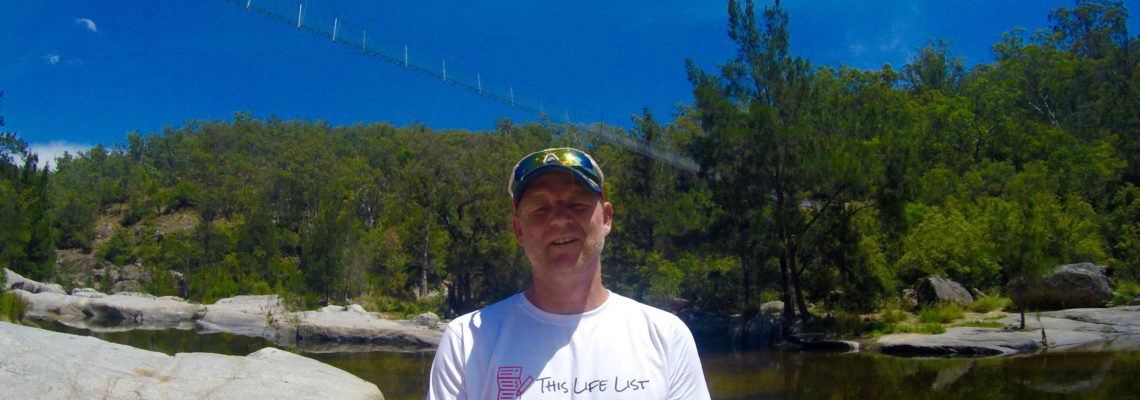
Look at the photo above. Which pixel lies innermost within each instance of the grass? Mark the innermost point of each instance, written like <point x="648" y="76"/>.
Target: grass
<point x="982" y="324"/>
<point x="925" y="328"/>
<point x="11" y="307"/>
<point x="894" y="316"/>
<point x="941" y="314"/>
<point x="985" y="304"/>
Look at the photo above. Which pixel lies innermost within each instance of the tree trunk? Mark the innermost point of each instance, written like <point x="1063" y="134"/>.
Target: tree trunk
<point x="425" y="264"/>
<point x="786" y="295"/>
<point x="800" y="303"/>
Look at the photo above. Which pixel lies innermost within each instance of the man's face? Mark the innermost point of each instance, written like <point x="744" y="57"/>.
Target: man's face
<point x="561" y="225"/>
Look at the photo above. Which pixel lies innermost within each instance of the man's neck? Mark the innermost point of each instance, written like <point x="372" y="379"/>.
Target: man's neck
<point x="566" y="299"/>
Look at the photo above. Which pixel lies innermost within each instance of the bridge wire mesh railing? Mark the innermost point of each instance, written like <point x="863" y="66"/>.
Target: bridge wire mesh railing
<point x="335" y="29"/>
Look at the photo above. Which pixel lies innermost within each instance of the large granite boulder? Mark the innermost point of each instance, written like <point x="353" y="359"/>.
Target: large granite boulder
<point x="40" y="364"/>
<point x="716" y="331"/>
<point x="260" y="316"/>
<point x="333" y="327"/>
<point x="129" y="309"/>
<point x="933" y="290"/>
<point x="14" y="280"/>
<point x="1068" y="286"/>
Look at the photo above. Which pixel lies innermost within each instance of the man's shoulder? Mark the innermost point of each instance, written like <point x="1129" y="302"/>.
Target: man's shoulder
<point x="492" y="312"/>
<point x="652" y="314"/>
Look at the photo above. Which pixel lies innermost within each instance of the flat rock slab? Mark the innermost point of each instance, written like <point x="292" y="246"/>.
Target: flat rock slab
<point x="128" y="309"/>
<point x="357" y="327"/>
<point x="1116" y="328"/>
<point x="40" y="364"/>
<point x="260" y="316"/>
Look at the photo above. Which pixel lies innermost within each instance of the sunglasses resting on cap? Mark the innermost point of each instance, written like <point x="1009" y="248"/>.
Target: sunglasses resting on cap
<point x="566" y="159"/>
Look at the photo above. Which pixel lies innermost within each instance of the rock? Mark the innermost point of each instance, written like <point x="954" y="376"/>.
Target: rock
<point x="910" y="299"/>
<point x="818" y="342"/>
<point x="762" y="331"/>
<point x="17" y="281"/>
<point x="260" y="316"/>
<point x="774" y="307"/>
<point x="132" y="272"/>
<point x="87" y="292"/>
<point x="331" y="308"/>
<point x="143" y="310"/>
<point x="933" y="290"/>
<point x="130" y="285"/>
<point x="132" y="309"/>
<point x="1068" y="286"/>
<point x="324" y="327"/>
<point x="427" y="320"/>
<point x="1115" y="328"/>
<point x="39" y="364"/>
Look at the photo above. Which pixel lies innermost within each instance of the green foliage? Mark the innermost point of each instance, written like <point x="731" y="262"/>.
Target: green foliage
<point x="892" y="316"/>
<point x="833" y="186"/>
<point x="1126" y="293"/>
<point x="119" y="249"/>
<point x="985" y="304"/>
<point x="982" y="324"/>
<point x="11" y="307"/>
<point x="665" y="280"/>
<point x="941" y="314"/>
<point x="945" y="243"/>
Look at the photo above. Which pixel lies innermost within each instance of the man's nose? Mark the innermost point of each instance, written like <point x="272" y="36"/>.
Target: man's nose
<point x="561" y="216"/>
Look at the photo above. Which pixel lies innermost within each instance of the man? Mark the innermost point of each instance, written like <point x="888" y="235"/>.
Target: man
<point x="566" y="336"/>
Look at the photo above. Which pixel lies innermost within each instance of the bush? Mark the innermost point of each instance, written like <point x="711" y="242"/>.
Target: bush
<point x="11" y="307"/>
<point x="985" y="304"/>
<point x="941" y="314"/>
<point x="1125" y="293"/>
<point x="895" y="316"/>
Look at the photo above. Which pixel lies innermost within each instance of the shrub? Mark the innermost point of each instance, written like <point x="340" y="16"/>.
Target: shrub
<point x="11" y="307"/>
<point x="941" y="314"/>
<point x="1125" y="293"/>
<point x="985" y="304"/>
<point x="894" y="316"/>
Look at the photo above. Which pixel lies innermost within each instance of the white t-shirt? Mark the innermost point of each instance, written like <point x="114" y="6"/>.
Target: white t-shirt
<point x="621" y="350"/>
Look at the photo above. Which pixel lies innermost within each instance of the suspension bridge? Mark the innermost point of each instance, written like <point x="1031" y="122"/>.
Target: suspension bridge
<point x="353" y="36"/>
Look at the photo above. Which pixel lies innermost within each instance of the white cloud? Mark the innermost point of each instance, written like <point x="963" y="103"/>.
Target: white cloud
<point x="48" y="152"/>
<point x="52" y="58"/>
<point x="88" y="23"/>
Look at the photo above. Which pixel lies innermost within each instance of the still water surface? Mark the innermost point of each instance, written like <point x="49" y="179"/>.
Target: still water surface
<point x="753" y="374"/>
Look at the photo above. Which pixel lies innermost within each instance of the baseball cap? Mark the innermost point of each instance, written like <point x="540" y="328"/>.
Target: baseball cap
<point x="566" y="159"/>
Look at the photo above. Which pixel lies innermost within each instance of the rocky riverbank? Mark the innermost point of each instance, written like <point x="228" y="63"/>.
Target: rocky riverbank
<point x="333" y="328"/>
<point x="1083" y="329"/>
<point x="40" y="364"/>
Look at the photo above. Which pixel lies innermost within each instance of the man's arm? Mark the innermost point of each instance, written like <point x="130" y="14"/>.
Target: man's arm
<point x="686" y="377"/>
<point x="447" y="369"/>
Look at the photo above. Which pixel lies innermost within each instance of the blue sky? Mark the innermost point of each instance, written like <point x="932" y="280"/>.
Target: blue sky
<point x="80" y="72"/>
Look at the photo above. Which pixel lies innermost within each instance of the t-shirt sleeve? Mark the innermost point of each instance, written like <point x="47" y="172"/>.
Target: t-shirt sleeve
<point x="686" y="377"/>
<point x="447" y="369"/>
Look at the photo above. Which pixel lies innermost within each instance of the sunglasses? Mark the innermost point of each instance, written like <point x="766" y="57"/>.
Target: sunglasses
<point x="580" y="164"/>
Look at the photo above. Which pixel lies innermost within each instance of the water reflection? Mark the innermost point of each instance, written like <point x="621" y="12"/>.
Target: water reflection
<point x="783" y="375"/>
<point x="754" y="374"/>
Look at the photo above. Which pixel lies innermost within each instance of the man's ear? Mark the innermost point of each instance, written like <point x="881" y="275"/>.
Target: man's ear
<point x="607" y="215"/>
<point x="517" y="228"/>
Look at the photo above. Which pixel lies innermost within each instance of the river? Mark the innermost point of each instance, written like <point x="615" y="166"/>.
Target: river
<point x="753" y="374"/>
